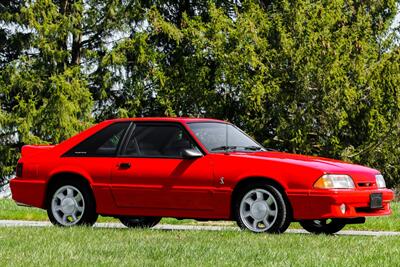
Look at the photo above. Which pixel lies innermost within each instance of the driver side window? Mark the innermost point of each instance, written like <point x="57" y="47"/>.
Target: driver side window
<point x="151" y="140"/>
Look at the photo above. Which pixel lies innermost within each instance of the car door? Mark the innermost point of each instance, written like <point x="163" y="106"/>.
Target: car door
<point x="152" y="173"/>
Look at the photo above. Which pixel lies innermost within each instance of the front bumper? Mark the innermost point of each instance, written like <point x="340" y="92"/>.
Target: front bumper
<point x="324" y="204"/>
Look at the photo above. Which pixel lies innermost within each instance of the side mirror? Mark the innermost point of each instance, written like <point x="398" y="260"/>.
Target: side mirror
<point x="191" y="153"/>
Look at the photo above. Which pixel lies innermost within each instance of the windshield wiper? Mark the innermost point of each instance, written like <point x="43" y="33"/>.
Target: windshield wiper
<point x="253" y="148"/>
<point x="229" y="148"/>
<point x="223" y="148"/>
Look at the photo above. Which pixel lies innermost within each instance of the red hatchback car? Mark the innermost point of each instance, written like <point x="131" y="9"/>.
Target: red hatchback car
<point x="140" y="170"/>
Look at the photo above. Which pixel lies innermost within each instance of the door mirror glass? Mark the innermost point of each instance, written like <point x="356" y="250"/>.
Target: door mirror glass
<point x="191" y="153"/>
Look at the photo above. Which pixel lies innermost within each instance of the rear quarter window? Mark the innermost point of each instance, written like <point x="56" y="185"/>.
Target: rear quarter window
<point x="101" y="144"/>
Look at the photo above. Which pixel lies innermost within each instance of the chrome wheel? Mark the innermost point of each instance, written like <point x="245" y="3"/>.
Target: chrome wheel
<point x="67" y="205"/>
<point x="258" y="210"/>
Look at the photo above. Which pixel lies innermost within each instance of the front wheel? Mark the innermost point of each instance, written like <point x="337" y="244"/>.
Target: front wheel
<point x="325" y="226"/>
<point x="261" y="208"/>
<point x="71" y="203"/>
<point x="140" y="222"/>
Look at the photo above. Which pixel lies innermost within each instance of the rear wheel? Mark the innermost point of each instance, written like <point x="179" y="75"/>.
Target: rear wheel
<point x="71" y="203"/>
<point x="140" y="222"/>
<point x="324" y="226"/>
<point x="261" y="208"/>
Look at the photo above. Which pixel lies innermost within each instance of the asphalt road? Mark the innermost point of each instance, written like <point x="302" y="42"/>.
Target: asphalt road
<point x="14" y="223"/>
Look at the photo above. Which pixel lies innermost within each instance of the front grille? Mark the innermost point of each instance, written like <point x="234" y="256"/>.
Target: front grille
<point x="19" y="169"/>
<point x="366" y="184"/>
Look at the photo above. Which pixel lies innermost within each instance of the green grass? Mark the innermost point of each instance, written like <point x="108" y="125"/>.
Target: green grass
<point x="126" y="247"/>
<point x="81" y="246"/>
<point x="10" y="211"/>
<point x="386" y="223"/>
<point x="383" y="223"/>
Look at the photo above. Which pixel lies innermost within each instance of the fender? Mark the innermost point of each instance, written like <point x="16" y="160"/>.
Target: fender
<point x="71" y="169"/>
<point x="262" y="175"/>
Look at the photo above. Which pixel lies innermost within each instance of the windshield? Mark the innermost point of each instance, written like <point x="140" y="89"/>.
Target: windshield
<point x="217" y="137"/>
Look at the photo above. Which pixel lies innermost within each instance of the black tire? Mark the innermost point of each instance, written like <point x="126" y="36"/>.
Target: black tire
<point x="285" y="225"/>
<point x="324" y="226"/>
<point x="140" y="222"/>
<point x="88" y="217"/>
<point x="282" y="219"/>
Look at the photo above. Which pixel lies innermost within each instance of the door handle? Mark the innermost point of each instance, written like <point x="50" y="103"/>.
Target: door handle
<point x="124" y="165"/>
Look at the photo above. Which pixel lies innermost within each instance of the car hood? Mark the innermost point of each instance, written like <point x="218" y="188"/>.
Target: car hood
<point x="324" y="164"/>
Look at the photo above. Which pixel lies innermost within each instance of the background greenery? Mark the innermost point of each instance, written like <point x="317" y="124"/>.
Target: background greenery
<point x="312" y="77"/>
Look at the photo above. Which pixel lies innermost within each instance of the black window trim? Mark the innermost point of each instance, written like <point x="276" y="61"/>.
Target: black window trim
<point x="120" y="143"/>
<point x="157" y="123"/>
<point x="124" y="141"/>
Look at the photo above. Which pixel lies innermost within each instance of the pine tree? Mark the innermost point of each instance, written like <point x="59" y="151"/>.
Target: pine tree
<point x="43" y="91"/>
<point x="312" y="77"/>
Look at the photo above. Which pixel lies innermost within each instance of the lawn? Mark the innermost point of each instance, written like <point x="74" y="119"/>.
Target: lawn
<point x="81" y="246"/>
<point x="126" y="247"/>
<point x="10" y="211"/>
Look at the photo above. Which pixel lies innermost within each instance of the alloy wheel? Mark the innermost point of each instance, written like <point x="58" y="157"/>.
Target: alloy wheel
<point x="68" y="205"/>
<point x="258" y="210"/>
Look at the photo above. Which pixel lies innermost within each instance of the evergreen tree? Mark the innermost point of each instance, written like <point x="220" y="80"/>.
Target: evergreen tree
<point x="43" y="92"/>
<point x="312" y="77"/>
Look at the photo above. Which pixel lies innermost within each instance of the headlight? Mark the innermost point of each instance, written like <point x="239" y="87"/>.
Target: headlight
<point x="380" y="181"/>
<point x="334" y="181"/>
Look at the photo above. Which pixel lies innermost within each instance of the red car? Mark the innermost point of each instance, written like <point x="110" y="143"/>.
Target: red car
<point x="139" y="170"/>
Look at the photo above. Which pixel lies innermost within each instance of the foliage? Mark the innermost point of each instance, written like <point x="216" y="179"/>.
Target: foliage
<point x="312" y="77"/>
<point x="43" y="93"/>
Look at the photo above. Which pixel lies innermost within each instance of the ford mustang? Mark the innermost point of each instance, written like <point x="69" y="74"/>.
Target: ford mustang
<point x="140" y="170"/>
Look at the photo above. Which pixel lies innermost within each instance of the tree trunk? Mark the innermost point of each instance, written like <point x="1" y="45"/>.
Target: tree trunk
<point x="76" y="49"/>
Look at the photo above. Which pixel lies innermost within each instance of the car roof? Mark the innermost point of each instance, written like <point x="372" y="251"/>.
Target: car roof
<point x="168" y="119"/>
